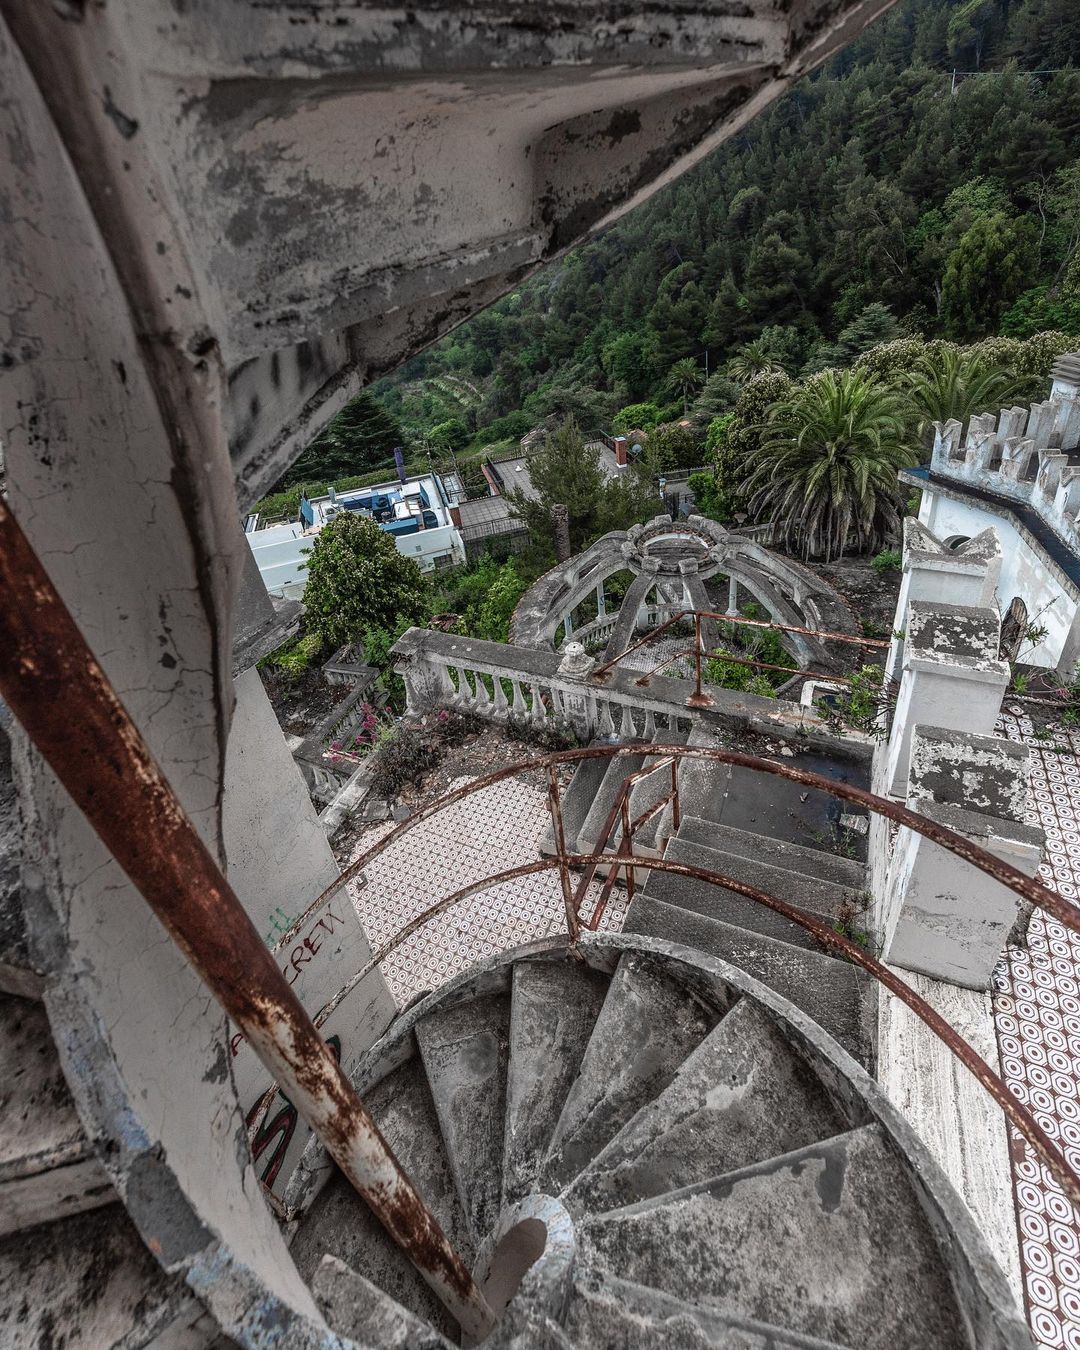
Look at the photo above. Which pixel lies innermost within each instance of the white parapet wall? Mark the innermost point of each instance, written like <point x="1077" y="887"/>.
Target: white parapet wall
<point x="951" y="677"/>
<point x="942" y="916"/>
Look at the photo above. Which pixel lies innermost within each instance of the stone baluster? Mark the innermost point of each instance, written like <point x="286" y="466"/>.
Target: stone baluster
<point x="537" y="714"/>
<point x="605" y="727"/>
<point x="459" y="697"/>
<point x="499" y="709"/>
<point x="482" y="701"/>
<point x="650" y="725"/>
<point x="518" y="707"/>
<point x="627" y="730"/>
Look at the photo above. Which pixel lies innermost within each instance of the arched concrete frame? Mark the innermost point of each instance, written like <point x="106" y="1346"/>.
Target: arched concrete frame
<point x="680" y="555"/>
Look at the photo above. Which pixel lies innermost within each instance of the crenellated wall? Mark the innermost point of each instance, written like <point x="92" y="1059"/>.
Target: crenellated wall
<point x="1030" y="455"/>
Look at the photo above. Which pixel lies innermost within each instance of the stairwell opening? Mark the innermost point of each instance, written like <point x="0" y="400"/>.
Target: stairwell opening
<point x="516" y="1252"/>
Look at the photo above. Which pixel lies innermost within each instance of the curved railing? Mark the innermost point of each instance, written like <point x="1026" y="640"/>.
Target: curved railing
<point x="699" y="652"/>
<point x="623" y="859"/>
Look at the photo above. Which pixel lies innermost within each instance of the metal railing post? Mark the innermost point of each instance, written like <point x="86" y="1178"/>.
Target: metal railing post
<point x="676" y="809"/>
<point x="61" y="695"/>
<point x="573" y="922"/>
<point x="628" y="840"/>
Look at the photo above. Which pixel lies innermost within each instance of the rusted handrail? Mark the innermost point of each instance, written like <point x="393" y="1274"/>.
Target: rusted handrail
<point x="47" y="670"/>
<point x="1017" y="1114"/>
<point x="698" y="614"/>
<point x="620" y="808"/>
<point x="997" y="868"/>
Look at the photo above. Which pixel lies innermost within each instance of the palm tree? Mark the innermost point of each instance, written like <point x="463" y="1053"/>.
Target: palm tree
<point x="753" y="358"/>
<point x="683" y="379"/>
<point x="947" y="383"/>
<point x="826" y="465"/>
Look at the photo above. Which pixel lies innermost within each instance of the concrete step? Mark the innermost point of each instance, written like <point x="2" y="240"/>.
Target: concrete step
<point x="764" y="804"/>
<point x="553" y="1012"/>
<point x="89" y="1281"/>
<point x="340" y="1224"/>
<point x="835" y="994"/>
<point x="827" y="1241"/>
<point x="465" y="1052"/>
<point x="743" y="1095"/>
<point x="360" y="1311"/>
<point x="822" y="899"/>
<point x="577" y="801"/>
<point x="809" y="862"/>
<point x="48" y="1168"/>
<point x="615" y="775"/>
<point x="645" y="1030"/>
<point x="612" y="1312"/>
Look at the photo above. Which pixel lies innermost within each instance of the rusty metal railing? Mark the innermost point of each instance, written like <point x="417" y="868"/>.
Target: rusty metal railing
<point x="56" y="688"/>
<point x="625" y="861"/>
<point x="699" y="699"/>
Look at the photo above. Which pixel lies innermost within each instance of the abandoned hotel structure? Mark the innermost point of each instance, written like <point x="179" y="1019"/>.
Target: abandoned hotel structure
<point x="792" y="1057"/>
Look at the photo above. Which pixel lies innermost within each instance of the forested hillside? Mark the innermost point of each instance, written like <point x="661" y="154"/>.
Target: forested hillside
<point x="883" y="196"/>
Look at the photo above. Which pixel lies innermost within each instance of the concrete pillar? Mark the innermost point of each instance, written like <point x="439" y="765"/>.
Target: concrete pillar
<point x="941" y="916"/>
<point x="952" y="677"/>
<point x="119" y="472"/>
<point x="575" y="667"/>
<point x="964" y="576"/>
<point x="601" y="602"/>
<point x="732" y="596"/>
<point x="278" y="859"/>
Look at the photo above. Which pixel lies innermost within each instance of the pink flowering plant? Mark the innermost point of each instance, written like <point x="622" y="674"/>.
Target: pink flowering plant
<point x="360" y="742"/>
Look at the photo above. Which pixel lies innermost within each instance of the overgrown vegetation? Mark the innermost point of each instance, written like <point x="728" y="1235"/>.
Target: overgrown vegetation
<point x="873" y="201"/>
<point x="358" y="580"/>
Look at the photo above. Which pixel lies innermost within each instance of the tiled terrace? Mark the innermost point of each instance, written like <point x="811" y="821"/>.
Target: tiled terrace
<point x="1037" y="1012"/>
<point x="495" y="829"/>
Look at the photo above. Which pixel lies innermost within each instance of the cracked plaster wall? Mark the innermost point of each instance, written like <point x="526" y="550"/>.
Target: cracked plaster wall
<point x="95" y="481"/>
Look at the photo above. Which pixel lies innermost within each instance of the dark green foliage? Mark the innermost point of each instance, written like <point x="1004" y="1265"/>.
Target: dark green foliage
<point x="827" y="462"/>
<point x="362" y="436"/>
<point x="483" y="598"/>
<point x="357" y="580"/>
<point x="872" y="200"/>
<point x="566" y="472"/>
<point x="295" y="657"/>
<point x="888" y="560"/>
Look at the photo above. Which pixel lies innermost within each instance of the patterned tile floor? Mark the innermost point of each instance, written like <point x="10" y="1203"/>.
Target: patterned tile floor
<point x="652" y="654"/>
<point x="1037" y="1013"/>
<point x="495" y="829"/>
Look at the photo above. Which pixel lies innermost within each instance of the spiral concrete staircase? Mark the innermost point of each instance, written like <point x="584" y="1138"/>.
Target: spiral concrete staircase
<point x="640" y="1145"/>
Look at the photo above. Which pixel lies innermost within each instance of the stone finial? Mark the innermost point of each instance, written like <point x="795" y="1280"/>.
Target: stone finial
<point x="576" y="661"/>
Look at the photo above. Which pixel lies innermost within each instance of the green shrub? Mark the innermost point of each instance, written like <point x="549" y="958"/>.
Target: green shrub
<point x="888" y="560"/>
<point x="294" y="657"/>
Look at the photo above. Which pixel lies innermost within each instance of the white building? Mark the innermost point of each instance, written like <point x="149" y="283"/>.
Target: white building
<point x="1020" y="473"/>
<point x="416" y="513"/>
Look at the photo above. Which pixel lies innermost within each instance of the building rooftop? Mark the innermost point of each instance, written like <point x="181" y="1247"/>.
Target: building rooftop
<point x="416" y="513"/>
